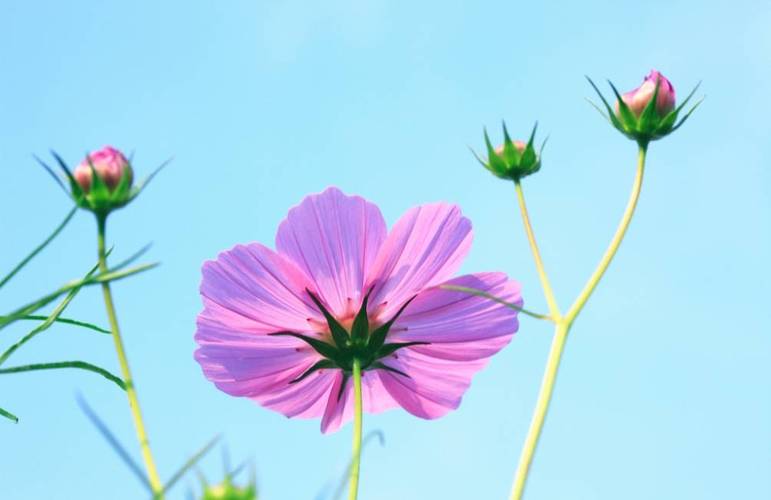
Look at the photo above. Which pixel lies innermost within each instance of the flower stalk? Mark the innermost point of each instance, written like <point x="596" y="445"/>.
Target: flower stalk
<point x="563" y="324"/>
<point x="353" y="489"/>
<point x="136" y="414"/>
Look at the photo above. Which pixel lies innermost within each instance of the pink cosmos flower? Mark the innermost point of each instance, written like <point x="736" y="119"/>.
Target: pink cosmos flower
<point x="638" y="98"/>
<point x="282" y="327"/>
<point x="109" y="164"/>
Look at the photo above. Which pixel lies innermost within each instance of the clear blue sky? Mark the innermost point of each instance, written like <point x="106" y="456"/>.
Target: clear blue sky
<point x="665" y="389"/>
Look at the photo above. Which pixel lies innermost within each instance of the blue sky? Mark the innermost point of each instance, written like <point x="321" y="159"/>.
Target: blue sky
<point x="664" y="391"/>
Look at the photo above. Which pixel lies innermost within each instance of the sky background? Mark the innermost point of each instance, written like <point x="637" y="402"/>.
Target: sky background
<point x="665" y="388"/>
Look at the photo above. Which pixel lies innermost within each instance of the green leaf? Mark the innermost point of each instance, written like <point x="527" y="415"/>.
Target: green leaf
<point x="339" y="334"/>
<point x="9" y="415"/>
<point x="114" y="443"/>
<point x="482" y="293"/>
<point x="47" y="299"/>
<point x="66" y="321"/>
<point x="189" y="464"/>
<point x="39" y="248"/>
<point x="48" y="321"/>
<point x="82" y="365"/>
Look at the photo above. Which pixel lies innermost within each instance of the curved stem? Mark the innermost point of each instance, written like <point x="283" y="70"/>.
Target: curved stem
<point x="563" y="324"/>
<point x="541" y="408"/>
<point x="614" y="243"/>
<point x="353" y="489"/>
<point x="547" y="289"/>
<point x="144" y="443"/>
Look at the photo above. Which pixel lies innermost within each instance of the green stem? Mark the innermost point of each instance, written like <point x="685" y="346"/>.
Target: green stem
<point x="547" y="289"/>
<point x="541" y="409"/>
<point x="353" y="489"/>
<point x="564" y="324"/>
<point x="615" y="242"/>
<point x="144" y="443"/>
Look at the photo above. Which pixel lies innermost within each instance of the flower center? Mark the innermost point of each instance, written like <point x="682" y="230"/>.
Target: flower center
<point x="357" y="340"/>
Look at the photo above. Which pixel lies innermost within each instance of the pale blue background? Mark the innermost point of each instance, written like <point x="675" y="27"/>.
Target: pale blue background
<point x="664" y="391"/>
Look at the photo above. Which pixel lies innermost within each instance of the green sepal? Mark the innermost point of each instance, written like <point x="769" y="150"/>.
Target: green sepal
<point x="360" y="328"/>
<point x="318" y="365"/>
<point x="511" y="154"/>
<point x="497" y="164"/>
<point x="10" y="416"/>
<point x="649" y="118"/>
<point x="321" y="347"/>
<point x="377" y="365"/>
<point x="628" y="119"/>
<point x="377" y="339"/>
<point x="388" y="349"/>
<point x="339" y="333"/>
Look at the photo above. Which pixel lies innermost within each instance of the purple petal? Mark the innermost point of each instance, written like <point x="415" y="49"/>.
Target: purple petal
<point x="463" y="331"/>
<point x="248" y="293"/>
<point x="375" y="399"/>
<point x="425" y="247"/>
<point x="334" y="239"/>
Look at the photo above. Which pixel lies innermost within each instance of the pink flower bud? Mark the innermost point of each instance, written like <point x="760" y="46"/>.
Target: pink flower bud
<point x="517" y="144"/>
<point x="109" y="164"/>
<point x="638" y="98"/>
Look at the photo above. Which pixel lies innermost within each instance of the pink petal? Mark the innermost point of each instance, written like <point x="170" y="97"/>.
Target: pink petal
<point x="425" y="247"/>
<point x="463" y="332"/>
<point x="250" y="292"/>
<point x="375" y="399"/>
<point x="334" y="239"/>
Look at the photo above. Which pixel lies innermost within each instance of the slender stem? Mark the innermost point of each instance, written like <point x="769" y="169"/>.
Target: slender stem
<point x="541" y="408"/>
<point x="615" y="242"/>
<point x="144" y="443"/>
<point x="353" y="489"/>
<point x="564" y="324"/>
<point x="547" y="289"/>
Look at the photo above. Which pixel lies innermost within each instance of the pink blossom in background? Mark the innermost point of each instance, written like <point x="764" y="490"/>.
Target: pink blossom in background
<point x="638" y="98"/>
<point x="263" y="310"/>
<point x="109" y="164"/>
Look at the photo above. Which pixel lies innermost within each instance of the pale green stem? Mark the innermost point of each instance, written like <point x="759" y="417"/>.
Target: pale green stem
<point x="563" y="324"/>
<point x="353" y="489"/>
<point x="551" y="300"/>
<point x="144" y="443"/>
<point x="615" y="242"/>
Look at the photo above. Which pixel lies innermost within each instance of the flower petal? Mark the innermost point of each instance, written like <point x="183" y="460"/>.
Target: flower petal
<point x="463" y="331"/>
<point x="334" y="239"/>
<point x="425" y="247"/>
<point x="248" y="293"/>
<point x="339" y="411"/>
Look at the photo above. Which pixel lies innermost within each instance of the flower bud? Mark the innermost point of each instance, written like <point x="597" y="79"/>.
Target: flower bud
<point x="513" y="159"/>
<point x="109" y="164"/>
<point x="102" y="182"/>
<point x="638" y="98"/>
<point x="226" y="490"/>
<point x="648" y="112"/>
